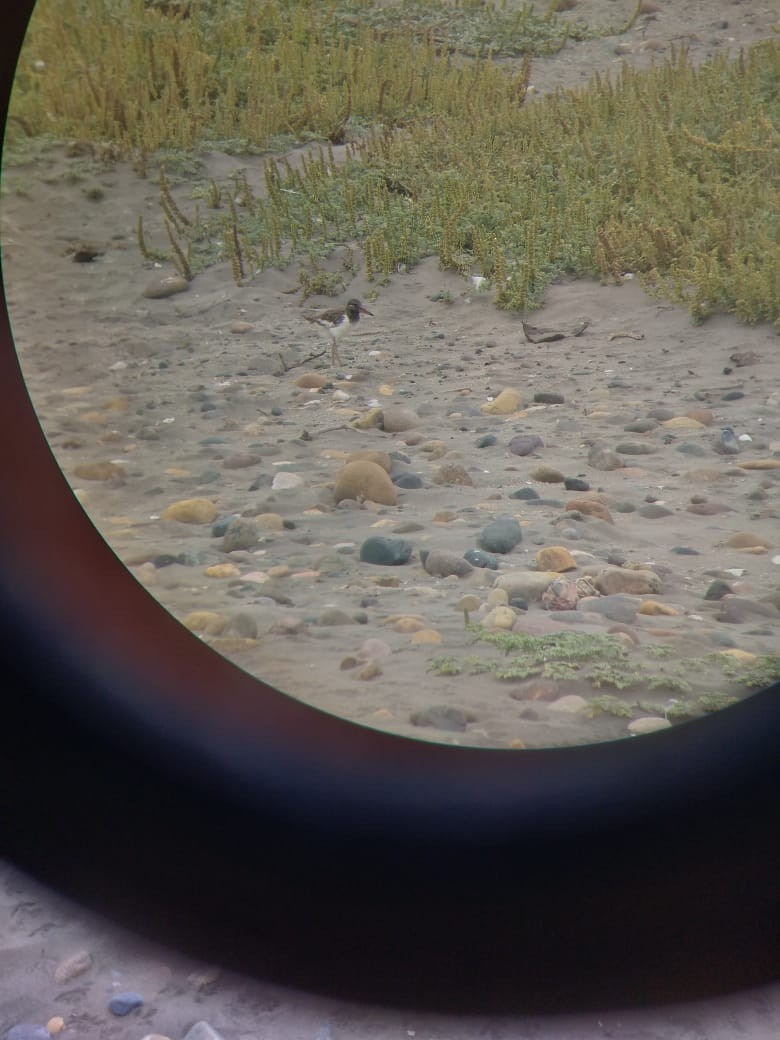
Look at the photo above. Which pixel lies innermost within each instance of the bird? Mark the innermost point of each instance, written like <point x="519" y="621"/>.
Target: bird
<point x="337" y="322"/>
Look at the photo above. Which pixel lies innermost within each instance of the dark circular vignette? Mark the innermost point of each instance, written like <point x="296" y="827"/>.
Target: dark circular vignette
<point x="151" y="780"/>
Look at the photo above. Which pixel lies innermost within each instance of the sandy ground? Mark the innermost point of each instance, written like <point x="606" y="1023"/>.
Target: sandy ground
<point x="196" y="396"/>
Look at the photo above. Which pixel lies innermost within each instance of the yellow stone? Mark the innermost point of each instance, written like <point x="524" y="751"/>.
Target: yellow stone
<point x="655" y="609"/>
<point x="311" y="380"/>
<point x="498" y="598"/>
<point x="385" y="390"/>
<point x="508" y="401"/>
<point x="207" y="621"/>
<point x="426" y="636"/>
<point x="222" y="570"/>
<point x="381" y="458"/>
<point x="99" y="470"/>
<point x="748" y="540"/>
<point x="364" y="480"/>
<point x="517" y="743"/>
<point x="116" y="404"/>
<point x="434" y="448"/>
<point x="409" y="624"/>
<point x="191" y="511"/>
<point x="177" y="471"/>
<point x="281" y="570"/>
<point x="386" y="582"/>
<point x="368" y="420"/>
<point x="77" y="391"/>
<point x="761" y="464"/>
<point x="232" y="644"/>
<point x="370" y="670"/>
<point x="500" y="617"/>
<point x="55" y="1025"/>
<point x="683" y="422"/>
<point x="743" y="656"/>
<point x="555" y="558"/>
<point x="270" y="521"/>
<point x="94" y="418"/>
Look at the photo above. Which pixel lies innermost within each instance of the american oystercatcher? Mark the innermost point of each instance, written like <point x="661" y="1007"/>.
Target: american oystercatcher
<point x="338" y="322"/>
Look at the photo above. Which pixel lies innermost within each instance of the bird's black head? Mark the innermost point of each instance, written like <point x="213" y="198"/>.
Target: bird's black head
<point x="355" y="308"/>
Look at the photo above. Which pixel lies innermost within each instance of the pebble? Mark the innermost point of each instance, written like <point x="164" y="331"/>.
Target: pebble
<point x="576" y="484"/>
<point x="604" y="458"/>
<point x="648" y="724"/>
<point x="613" y="580"/>
<point x="479" y="558"/>
<point x="425" y="637"/>
<point x="691" y="448"/>
<point x="441" y="564"/>
<point x="334" y="616"/>
<point x="634" y="448"/>
<point x="508" y="401"/>
<point x="370" y="670"/>
<point x="549" y="397"/>
<point x="241" y="534"/>
<point x="653" y="608"/>
<point x="451" y="474"/>
<point x="654" y="511"/>
<point x="590" y="506"/>
<point x="501" y="535"/>
<point x="525" y="443"/>
<point x="443" y="716"/>
<point x="55" y="1025"/>
<point x="123" y="1003"/>
<point x="381" y="458"/>
<point x="191" y="511"/>
<point x="616" y="607"/>
<point x="555" y="558"/>
<point x="547" y="475"/>
<point x="363" y="480"/>
<point x="747" y="540"/>
<point x="287" y="482"/>
<point x="641" y="426"/>
<point x="99" y="471"/>
<point x="73" y="966"/>
<point x="525" y="494"/>
<point x="501" y="617"/>
<point x="386" y="552"/>
<point x="207" y="621"/>
<point x="682" y="422"/>
<point x="25" y="1031"/>
<point x="167" y="285"/>
<point x="488" y="441"/>
<point x="408" y="481"/>
<point x="397" y="419"/>
<point x="375" y="648"/>
<point x="717" y="589"/>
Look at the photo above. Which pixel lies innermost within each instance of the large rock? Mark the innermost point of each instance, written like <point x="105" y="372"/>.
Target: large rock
<point x="501" y="535"/>
<point x="527" y="585"/>
<point x="363" y="480"/>
<point x="387" y="552"/>
<point x="191" y="511"/>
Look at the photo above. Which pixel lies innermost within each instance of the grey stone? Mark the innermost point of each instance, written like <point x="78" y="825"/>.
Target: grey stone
<point x="441" y="564"/>
<point x="634" y="448"/>
<point x="241" y="533"/>
<point x="604" y="458"/>
<point x="443" y="716"/>
<point x="478" y="558"/>
<point x="386" y="552"/>
<point x="501" y="535"/>
<point x="525" y="443"/>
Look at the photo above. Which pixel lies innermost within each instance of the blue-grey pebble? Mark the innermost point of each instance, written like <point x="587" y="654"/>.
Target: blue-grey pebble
<point x="220" y="525"/>
<point x="617" y="607"/>
<point x="501" y="535"/>
<point x="576" y="484"/>
<point x="123" y="1003"/>
<point x="25" y="1031"/>
<point x="733" y="395"/>
<point x="387" y="552"/>
<point x="685" y="550"/>
<point x="525" y="493"/>
<point x="691" y="448"/>
<point x="654" y="511"/>
<point x="487" y="441"/>
<point x="479" y="558"/>
<point x="549" y="397"/>
<point x="408" y="481"/>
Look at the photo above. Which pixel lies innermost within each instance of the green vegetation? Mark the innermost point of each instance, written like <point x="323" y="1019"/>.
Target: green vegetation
<point x="670" y="173"/>
<point x="598" y="661"/>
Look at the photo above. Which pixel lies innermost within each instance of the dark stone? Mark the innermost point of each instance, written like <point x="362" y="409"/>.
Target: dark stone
<point x="222" y="523"/>
<point x="487" y="441"/>
<point x="685" y="550"/>
<point x="441" y="564"/>
<point x="733" y="395"/>
<point x="634" y="448"/>
<point x="518" y="603"/>
<point x="443" y="716"/>
<point x="717" y="589"/>
<point x="691" y="448"/>
<point x="525" y="493"/>
<point x="123" y="1003"/>
<point x="241" y="534"/>
<point x="386" y="552"/>
<point x="408" y="481"/>
<point x="576" y="484"/>
<point x="478" y="558"/>
<point x="501" y="535"/>
<point x="164" y="560"/>
<point x="525" y="443"/>
<point x="549" y="397"/>
<point x="264" y="480"/>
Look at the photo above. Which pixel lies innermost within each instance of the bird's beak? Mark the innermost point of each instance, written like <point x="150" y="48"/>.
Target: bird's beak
<point x="365" y="310"/>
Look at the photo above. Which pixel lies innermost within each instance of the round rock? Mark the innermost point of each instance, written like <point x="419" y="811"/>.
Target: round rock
<point x="386" y="552"/>
<point x="441" y="564"/>
<point x="501" y="535"/>
<point x="123" y="1003"/>
<point x="365" y="480"/>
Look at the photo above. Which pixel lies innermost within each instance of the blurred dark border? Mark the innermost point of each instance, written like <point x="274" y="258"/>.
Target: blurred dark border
<point x="152" y="781"/>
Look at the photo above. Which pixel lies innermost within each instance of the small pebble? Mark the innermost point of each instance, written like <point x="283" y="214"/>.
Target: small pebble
<point x="386" y="552"/>
<point x="123" y="1003"/>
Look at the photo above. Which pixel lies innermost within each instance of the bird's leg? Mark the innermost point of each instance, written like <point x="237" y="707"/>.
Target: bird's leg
<point x="334" y="354"/>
